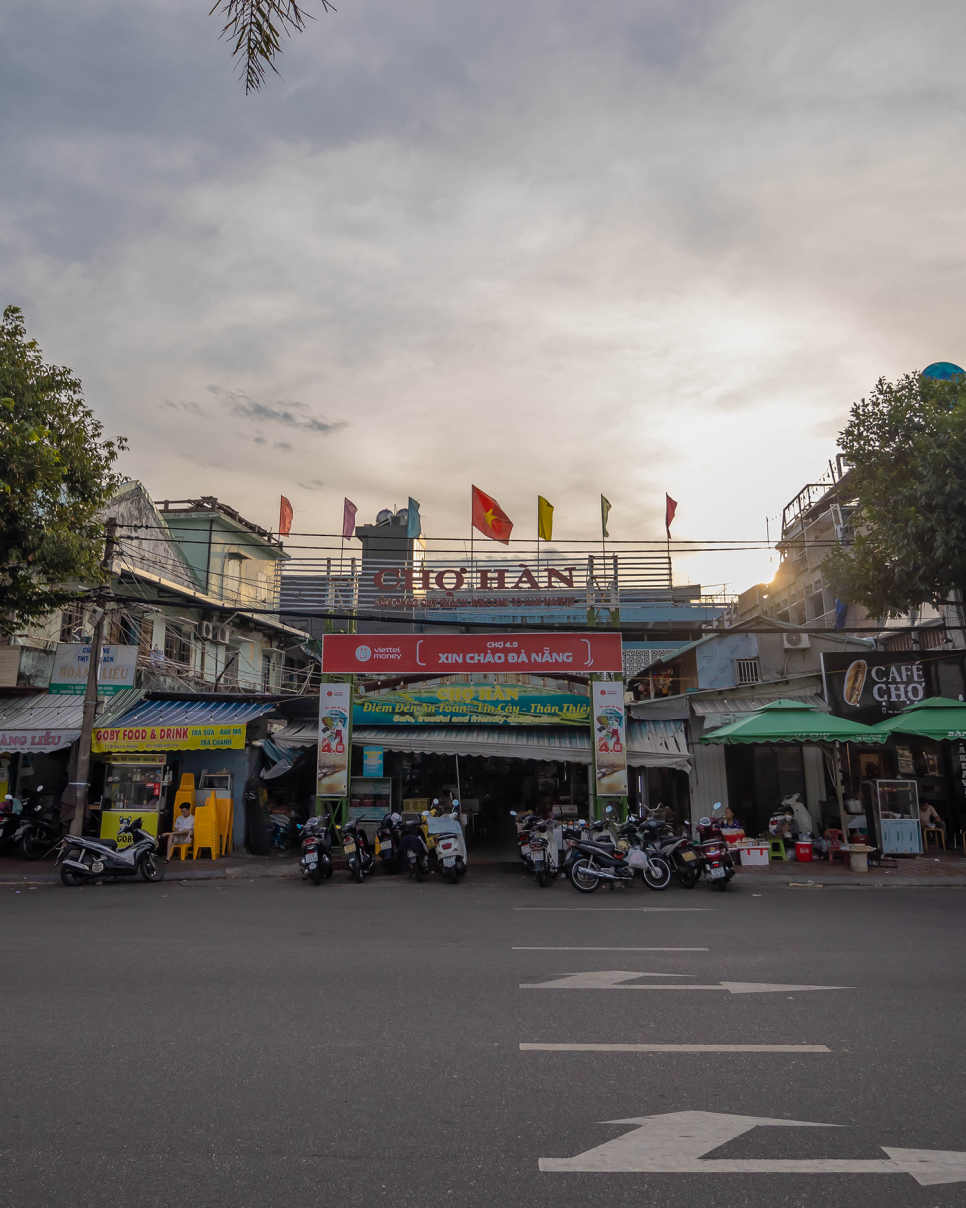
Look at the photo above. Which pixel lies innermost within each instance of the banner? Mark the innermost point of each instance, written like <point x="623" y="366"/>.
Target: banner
<point x="372" y="762"/>
<point x="875" y="684"/>
<point x="433" y="654"/>
<point x="335" y="702"/>
<point x="167" y="738"/>
<point x="69" y="677"/>
<point x="472" y="704"/>
<point x="610" y="743"/>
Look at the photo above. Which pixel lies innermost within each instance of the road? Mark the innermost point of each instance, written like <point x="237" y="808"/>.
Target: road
<point x="255" y="1043"/>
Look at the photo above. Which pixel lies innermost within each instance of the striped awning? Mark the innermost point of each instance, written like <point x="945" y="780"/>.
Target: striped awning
<point x="50" y="721"/>
<point x="190" y="712"/>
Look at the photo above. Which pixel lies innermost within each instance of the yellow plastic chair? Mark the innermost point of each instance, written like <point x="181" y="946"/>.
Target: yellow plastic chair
<point x="184" y="796"/>
<point x="206" y="829"/>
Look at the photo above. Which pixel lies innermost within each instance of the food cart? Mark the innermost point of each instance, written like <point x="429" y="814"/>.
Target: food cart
<point x="892" y="816"/>
<point x="133" y="787"/>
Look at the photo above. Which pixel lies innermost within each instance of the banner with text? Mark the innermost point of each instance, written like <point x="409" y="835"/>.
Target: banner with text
<point x="610" y="745"/>
<point x="413" y="654"/>
<point x="472" y="704"/>
<point x="335" y="703"/>
<point x="69" y="677"/>
<point x="167" y="738"/>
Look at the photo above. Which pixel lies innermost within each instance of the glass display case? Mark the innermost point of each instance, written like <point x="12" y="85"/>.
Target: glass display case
<point x="135" y="782"/>
<point x="892" y="816"/>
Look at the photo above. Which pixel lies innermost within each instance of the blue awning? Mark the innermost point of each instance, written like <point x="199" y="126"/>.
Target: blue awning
<point x="195" y="713"/>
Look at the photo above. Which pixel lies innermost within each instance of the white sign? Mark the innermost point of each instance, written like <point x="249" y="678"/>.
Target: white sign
<point x="616" y="979"/>
<point x="676" y="1142"/>
<point x="335" y="711"/>
<point x="37" y="741"/>
<point x="118" y="665"/>
<point x="609" y="738"/>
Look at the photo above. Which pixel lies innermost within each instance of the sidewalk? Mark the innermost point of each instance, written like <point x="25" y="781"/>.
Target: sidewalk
<point x="936" y="869"/>
<point x="241" y="865"/>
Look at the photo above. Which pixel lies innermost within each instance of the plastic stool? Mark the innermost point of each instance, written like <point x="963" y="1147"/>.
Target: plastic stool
<point x="776" y="850"/>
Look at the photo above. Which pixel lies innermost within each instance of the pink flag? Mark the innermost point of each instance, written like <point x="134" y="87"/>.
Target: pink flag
<point x="348" y="519"/>
<point x="670" y="507"/>
<point x="285" y="516"/>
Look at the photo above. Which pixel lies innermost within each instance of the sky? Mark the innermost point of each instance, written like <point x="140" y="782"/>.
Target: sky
<point x="557" y="248"/>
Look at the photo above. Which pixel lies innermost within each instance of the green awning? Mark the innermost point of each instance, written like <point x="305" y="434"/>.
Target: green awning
<point x="938" y="718"/>
<point x="793" y="721"/>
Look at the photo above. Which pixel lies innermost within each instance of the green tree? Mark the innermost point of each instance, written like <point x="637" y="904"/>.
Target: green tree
<point x="256" y="27"/>
<point x="55" y="476"/>
<point x="907" y="446"/>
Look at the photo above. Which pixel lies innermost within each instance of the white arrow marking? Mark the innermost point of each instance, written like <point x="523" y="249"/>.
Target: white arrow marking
<point x="586" y="948"/>
<point x="676" y="1142"/>
<point x="613" y="979"/>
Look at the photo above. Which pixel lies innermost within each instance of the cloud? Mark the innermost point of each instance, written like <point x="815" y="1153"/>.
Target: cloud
<point x="282" y="444"/>
<point x="316" y="484"/>
<point x="288" y="415"/>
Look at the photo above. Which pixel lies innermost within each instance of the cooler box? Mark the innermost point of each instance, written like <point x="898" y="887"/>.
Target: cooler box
<point x="754" y="855"/>
<point x="733" y="836"/>
<point x="803" y="851"/>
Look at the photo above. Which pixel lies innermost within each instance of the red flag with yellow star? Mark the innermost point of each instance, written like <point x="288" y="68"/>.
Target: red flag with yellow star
<point x="490" y="518"/>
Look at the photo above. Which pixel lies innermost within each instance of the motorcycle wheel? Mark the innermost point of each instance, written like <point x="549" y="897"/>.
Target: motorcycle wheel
<point x="151" y="867"/>
<point x="418" y="869"/>
<point x="542" y="879"/>
<point x="658" y="876"/>
<point x="689" y="877"/>
<point x="356" y="869"/>
<point x="315" y="874"/>
<point x="34" y="845"/>
<point x="581" y="879"/>
<point x="721" y="884"/>
<point x="71" y="876"/>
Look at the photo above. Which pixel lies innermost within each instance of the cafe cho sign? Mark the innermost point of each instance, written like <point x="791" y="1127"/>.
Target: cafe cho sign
<point x="873" y="685"/>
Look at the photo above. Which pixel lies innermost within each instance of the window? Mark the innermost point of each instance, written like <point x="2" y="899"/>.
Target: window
<point x="71" y="622"/>
<point x="747" y="671"/>
<point x="177" y="647"/>
<point x="233" y="576"/>
<point x="266" y="673"/>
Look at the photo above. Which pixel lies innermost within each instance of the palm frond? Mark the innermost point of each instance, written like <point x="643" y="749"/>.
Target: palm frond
<point x="256" y="27"/>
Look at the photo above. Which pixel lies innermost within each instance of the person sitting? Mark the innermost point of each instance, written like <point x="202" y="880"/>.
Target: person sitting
<point x="783" y="825"/>
<point x="730" y="822"/>
<point x="183" y="830"/>
<point x="929" y="817"/>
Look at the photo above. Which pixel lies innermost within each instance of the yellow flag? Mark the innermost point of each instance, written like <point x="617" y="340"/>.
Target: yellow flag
<point x="544" y="519"/>
<point x="604" y="513"/>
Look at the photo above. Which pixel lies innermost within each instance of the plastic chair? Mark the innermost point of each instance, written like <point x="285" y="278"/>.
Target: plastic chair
<point x="206" y="829"/>
<point x="776" y="850"/>
<point x="834" y="840"/>
<point x="184" y="796"/>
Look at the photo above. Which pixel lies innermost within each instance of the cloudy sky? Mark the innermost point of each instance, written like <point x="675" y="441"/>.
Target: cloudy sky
<point x="545" y="247"/>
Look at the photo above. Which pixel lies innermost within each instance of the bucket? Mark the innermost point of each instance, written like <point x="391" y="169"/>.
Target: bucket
<point x="803" y="851"/>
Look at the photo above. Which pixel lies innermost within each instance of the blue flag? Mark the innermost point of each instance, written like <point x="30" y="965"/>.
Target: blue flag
<point x="415" y="526"/>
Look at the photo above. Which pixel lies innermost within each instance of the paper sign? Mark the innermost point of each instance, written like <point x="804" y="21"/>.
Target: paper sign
<point x="610" y="744"/>
<point x="335" y="703"/>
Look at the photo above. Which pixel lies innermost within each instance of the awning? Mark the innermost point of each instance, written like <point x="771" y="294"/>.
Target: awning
<point x="48" y="722"/>
<point x="703" y="705"/>
<point x="659" y="744"/>
<point x="179" y="725"/>
<point x="195" y="713"/>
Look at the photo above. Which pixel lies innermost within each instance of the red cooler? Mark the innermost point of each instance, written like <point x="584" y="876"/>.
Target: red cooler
<point x="803" y="851"/>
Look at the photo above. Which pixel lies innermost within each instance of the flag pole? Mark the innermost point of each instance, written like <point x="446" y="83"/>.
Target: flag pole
<point x="472" y="564"/>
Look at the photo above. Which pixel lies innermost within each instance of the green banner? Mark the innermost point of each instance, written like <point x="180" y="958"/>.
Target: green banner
<point x="473" y="704"/>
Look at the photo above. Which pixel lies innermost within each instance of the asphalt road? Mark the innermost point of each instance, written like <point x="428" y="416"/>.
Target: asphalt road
<point x="247" y="1044"/>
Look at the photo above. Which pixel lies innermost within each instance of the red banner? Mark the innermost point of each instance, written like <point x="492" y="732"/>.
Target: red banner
<point x="434" y="654"/>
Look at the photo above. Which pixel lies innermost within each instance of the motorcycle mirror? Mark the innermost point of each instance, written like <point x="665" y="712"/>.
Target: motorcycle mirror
<point x="8" y="797"/>
<point x="456" y="803"/>
<point x="435" y="801"/>
<point x="704" y="822"/>
<point x="513" y="813"/>
<point x="39" y="787"/>
<point x="609" y="810"/>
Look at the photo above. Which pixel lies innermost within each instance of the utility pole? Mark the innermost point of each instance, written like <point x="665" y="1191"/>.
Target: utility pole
<point x="90" y="695"/>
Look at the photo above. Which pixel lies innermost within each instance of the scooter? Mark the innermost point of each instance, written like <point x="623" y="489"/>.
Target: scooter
<point x="450" y="845"/>
<point x="597" y="862"/>
<point x="316" y="862"/>
<point x="716" y="861"/>
<point x="388" y="837"/>
<point x="11" y="812"/>
<point x="37" y="833"/>
<point x="134" y="851"/>
<point x="413" y="850"/>
<point x="355" y="844"/>
<point x="537" y="850"/>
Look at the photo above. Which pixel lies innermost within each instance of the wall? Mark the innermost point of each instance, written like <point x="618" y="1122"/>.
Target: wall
<point x="715" y="660"/>
<point x="708" y="778"/>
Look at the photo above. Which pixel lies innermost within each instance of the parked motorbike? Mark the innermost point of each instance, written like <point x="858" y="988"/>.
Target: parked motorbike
<point x="413" y="850"/>
<point x="11" y="812"/>
<point x="316" y="862"/>
<point x="355" y="844"/>
<point x="134" y="851"/>
<point x="677" y="850"/>
<point x="543" y="853"/>
<point x="450" y="844"/>
<point x="38" y="832"/>
<point x="598" y="861"/>
<point x="388" y="838"/>
<point x="716" y="861"/>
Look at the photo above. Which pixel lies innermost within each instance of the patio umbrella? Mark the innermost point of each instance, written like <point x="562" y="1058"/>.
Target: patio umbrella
<point x="796" y="721"/>
<point x="938" y="718"/>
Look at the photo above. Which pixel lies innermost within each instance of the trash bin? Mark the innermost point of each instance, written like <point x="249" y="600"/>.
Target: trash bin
<point x="803" y="850"/>
<point x="859" y="858"/>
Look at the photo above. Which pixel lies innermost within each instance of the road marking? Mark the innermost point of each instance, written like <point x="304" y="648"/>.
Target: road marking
<point x="677" y="1048"/>
<point x="676" y="1142"/>
<point x="614" y="979"/>
<point x="581" y="948"/>
<point x="626" y="909"/>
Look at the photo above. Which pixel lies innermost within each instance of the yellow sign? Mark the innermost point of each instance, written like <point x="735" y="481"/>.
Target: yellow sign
<point x="167" y="738"/>
<point x="112" y="819"/>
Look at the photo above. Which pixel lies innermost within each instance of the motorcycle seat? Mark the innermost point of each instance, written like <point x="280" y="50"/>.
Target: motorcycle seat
<point x="112" y="843"/>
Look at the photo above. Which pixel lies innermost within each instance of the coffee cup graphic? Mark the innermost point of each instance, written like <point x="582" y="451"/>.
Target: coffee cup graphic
<point x="855" y="682"/>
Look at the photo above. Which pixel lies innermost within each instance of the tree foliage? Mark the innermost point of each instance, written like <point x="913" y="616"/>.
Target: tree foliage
<point x="907" y="445"/>
<point x="256" y="27"/>
<point x="55" y="476"/>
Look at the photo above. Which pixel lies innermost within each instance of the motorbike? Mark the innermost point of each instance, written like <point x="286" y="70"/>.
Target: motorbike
<point x="413" y="850"/>
<point x="388" y="838"/>
<point x="450" y="845"/>
<point x="355" y="844"/>
<point x="10" y="815"/>
<point x="613" y="861"/>
<point x="37" y="833"/>
<point x="316" y="862"/>
<point x="543" y="853"/>
<point x="676" y="850"/>
<point x="716" y="861"/>
<point x="134" y="851"/>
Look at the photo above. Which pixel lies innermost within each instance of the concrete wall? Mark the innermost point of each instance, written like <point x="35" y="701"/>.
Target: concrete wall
<point x="708" y="779"/>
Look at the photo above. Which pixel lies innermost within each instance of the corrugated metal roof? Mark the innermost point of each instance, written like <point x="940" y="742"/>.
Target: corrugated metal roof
<point x="194" y="713"/>
<point x="751" y="704"/>
<point x="649" y="744"/>
<point x="58" y="711"/>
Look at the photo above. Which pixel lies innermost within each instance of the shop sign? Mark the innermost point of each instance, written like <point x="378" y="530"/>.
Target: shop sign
<point x="610" y="740"/>
<point x="877" y="684"/>
<point x="36" y="740"/>
<point x="335" y="703"/>
<point x="372" y="761"/>
<point x="412" y="654"/>
<point x="167" y="738"/>
<point x="111" y="821"/>
<point x="472" y="704"/>
<point x="118" y="665"/>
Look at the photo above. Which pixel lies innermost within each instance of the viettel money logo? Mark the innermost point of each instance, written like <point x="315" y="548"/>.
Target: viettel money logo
<point x="363" y="654"/>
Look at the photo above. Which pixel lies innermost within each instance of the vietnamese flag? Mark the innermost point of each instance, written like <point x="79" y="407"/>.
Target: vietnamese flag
<point x="490" y="518"/>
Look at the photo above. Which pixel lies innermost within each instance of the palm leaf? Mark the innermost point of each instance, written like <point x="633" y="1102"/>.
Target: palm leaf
<point x="256" y="27"/>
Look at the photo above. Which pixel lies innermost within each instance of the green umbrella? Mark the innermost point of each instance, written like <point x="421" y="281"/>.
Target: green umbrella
<point x="938" y="718"/>
<point x="795" y="721"/>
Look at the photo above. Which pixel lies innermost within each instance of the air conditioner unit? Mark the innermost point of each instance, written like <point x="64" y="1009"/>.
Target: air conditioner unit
<point x="796" y="641"/>
<point x="207" y="630"/>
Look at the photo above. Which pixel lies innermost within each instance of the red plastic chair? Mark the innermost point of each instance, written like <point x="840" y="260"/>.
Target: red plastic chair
<point x="834" y="840"/>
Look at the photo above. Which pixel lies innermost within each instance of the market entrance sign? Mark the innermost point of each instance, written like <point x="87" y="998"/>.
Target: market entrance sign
<point x="413" y="654"/>
<point x="167" y="738"/>
<point x="473" y="704"/>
